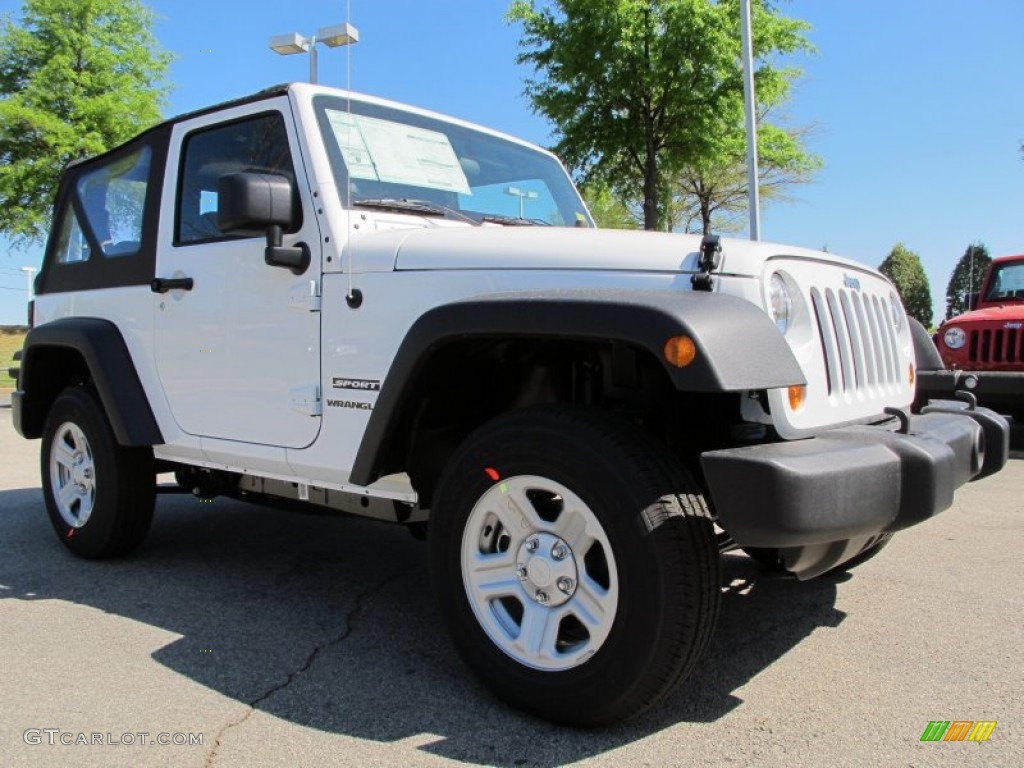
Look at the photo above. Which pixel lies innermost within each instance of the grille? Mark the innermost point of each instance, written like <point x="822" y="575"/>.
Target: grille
<point x="858" y="341"/>
<point x="996" y="345"/>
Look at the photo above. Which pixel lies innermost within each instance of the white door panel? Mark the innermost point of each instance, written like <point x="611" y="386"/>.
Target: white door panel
<point x="239" y="354"/>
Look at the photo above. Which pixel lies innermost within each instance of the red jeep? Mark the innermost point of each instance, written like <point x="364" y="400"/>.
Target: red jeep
<point x="983" y="349"/>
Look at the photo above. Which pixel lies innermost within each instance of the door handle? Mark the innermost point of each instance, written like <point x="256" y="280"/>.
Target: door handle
<point x="165" y="284"/>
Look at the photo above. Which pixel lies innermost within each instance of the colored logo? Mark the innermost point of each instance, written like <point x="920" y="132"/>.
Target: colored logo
<point x="851" y="282"/>
<point x="958" y="730"/>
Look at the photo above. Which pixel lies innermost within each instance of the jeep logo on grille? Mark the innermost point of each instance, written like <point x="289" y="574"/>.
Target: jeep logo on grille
<point x="851" y="282"/>
<point x="1014" y="325"/>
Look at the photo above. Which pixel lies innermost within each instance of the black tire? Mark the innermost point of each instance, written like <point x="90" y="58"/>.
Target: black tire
<point x="659" y="580"/>
<point x="770" y="559"/>
<point x="108" y="511"/>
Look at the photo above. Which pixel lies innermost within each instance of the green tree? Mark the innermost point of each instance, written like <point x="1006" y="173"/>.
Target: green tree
<point x="77" y="77"/>
<point x="903" y="267"/>
<point x="711" y="194"/>
<point x="608" y="210"/>
<point x="640" y="89"/>
<point x="966" y="278"/>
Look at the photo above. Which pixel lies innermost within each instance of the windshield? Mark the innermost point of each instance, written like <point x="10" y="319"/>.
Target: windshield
<point x="402" y="161"/>
<point x="1006" y="283"/>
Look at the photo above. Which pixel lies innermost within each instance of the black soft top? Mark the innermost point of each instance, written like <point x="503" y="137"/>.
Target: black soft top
<point x="266" y="93"/>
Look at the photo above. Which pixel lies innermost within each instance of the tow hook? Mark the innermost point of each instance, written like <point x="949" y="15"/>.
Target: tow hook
<point x="904" y="416"/>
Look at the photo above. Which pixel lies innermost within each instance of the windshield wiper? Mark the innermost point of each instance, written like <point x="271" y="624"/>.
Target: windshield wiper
<point x="421" y="207"/>
<point x="512" y="221"/>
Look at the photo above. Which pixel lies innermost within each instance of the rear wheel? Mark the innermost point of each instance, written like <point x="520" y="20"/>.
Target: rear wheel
<point x="574" y="566"/>
<point x="99" y="495"/>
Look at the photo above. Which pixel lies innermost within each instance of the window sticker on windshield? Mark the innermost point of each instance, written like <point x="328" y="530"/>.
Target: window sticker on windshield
<point x="353" y="149"/>
<point x="392" y="152"/>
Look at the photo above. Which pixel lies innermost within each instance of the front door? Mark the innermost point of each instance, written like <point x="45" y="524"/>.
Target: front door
<point x="239" y="353"/>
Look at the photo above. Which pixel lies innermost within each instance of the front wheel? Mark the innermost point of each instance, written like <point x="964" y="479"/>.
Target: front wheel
<point x="99" y="495"/>
<point x="575" y="567"/>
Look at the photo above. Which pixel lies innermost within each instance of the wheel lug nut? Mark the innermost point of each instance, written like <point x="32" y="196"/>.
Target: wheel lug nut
<point x="565" y="584"/>
<point x="521" y="571"/>
<point x="541" y="597"/>
<point x="531" y="545"/>
<point x="559" y="551"/>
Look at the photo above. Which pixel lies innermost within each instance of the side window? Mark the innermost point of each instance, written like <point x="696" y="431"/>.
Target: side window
<point x="114" y="199"/>
<point x="72" y="247"/>
<point x="106" y="215"/>
<point x="258" y="144"/>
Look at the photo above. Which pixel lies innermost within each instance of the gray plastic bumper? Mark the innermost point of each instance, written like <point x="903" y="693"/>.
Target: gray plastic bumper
<point x="853" y="481"/>
<point x="1004" y="389"/>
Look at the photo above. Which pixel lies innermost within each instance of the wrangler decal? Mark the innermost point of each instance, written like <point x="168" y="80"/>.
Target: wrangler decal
<point x="350" y="404"/>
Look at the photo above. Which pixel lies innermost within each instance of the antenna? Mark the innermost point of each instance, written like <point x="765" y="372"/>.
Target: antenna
<point x="350" y="296"/>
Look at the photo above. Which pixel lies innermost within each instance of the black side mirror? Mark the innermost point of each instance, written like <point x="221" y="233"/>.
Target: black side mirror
<point x="972" y="301"/>
<point x="252" y="203"/>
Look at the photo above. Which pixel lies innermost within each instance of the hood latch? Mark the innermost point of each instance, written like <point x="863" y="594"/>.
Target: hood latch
<point x="710" y="260"/>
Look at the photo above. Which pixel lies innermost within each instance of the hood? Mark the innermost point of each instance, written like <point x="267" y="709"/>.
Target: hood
<point x="561" y="248"/>
<point x="1009" y="312"/>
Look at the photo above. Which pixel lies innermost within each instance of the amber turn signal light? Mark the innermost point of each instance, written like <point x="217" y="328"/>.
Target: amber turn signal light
<point x="680" y="351"/>
<point x="797" y="396"/>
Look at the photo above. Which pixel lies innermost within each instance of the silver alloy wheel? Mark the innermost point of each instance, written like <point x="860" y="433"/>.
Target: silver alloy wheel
<point x="72" y="474"/>
<point x="539" y="572"/>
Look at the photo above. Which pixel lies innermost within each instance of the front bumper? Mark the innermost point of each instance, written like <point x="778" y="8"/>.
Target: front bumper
<point x="998" y="389"/>
<point x="853" y="482"/>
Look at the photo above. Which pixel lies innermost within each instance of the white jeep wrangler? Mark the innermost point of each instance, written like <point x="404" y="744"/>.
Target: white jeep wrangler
<point x="321" y="297"/>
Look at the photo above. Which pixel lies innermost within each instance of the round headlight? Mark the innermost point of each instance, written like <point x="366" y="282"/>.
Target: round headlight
<point x="780" y="302"/>
<point x="897" y="312"/>
<point x="954" y="337"/>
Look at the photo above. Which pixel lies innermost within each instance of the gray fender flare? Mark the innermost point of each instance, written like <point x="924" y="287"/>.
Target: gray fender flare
<point x="738" y="346"/>
<point x="110" y="368"/>
<point x="926" y="356"/>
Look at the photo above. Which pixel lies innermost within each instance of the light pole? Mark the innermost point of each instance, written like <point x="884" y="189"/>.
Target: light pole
<point x="334" y="36"/>
<point x="749" y="104"/>
<point x="29" y="271"/>
<point x="523" y="196"/>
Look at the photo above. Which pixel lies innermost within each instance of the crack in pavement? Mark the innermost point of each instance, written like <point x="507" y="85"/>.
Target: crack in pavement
<point x="318" y="650"/>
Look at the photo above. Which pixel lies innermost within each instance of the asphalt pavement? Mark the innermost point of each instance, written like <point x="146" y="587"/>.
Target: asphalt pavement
<point x="245" y="636"/>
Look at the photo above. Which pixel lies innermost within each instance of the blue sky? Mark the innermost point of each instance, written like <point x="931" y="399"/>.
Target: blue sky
<point x="916" y="106"/>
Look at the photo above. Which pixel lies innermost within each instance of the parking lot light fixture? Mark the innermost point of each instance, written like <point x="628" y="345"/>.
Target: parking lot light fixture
<point x="522" y="195"/>
<point x="333" y="36"/>
<point x="288" y="44"/>
<point x="338" y="35"/>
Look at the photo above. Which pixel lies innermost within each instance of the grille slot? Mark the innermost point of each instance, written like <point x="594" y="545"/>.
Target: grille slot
<point x="999" y="345"/>
<point x="858" y="342"/>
